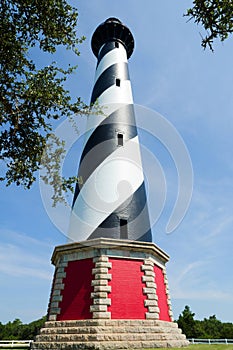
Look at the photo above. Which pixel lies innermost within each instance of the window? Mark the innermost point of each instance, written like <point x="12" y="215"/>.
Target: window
<point x="120" y="139"/>
<point x="118" y="82"/>
<point x="123" y="229"/>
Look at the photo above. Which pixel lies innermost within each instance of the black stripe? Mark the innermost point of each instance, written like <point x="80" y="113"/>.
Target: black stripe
<point x="130" y="210"/>
<point x="103" y="142"/>
<point x="122" y="119"/>
<point x="108" y="78"/>
<point x="105" y="49"/>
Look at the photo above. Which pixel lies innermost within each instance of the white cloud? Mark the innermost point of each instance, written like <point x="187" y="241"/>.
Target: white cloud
<point x="195" y="282"/>
<point x="23" y="239"/>
<point x="207" y="294"/>
<point x="22" y="255"/>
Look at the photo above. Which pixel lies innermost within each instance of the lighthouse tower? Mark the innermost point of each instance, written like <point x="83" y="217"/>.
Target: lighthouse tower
<point x="110" y="200"/>
<point x="110" y="288"/>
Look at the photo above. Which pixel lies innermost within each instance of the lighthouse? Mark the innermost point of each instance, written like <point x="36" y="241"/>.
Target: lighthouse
<point x="110" y="287"/>
<point x="110" y="200"/>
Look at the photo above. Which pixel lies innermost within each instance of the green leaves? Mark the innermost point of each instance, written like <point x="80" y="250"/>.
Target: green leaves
<point x="31" y="97"/>
<point x="17" y="330"/>
<point x="209" y="328"/>
<point x="216" y="16"/>
<point x="187" y="323"/>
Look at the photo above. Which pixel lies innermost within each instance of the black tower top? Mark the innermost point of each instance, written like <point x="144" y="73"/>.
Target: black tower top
<point x="112" y="30"/>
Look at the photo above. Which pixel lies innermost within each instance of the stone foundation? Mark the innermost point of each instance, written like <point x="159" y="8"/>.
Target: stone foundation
<point x="109" y="335"/>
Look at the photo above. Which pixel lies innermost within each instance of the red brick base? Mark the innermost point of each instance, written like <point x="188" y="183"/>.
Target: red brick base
<point x="109" y="279"/>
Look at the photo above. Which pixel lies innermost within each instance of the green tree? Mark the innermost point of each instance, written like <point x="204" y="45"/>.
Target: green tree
<point x="187" y="323"/>
<point x="29" y="331"/>
<point x="1" y="330"/>
<point x="11" y="330"/>
<point x="199" y="330"/>
<point x="17" y="330"/>
<point x="208" y="328"/>
<point x="215" y="16"/>
<point x="212" y="327"/>
<point x="227" y="331"/>
<point x="32" y="96"/>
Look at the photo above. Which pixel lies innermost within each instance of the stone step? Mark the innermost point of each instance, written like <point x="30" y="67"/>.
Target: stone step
<point x="106" y="330"/>
<point x="108" y="337"/>
<point x="110" y="345"/>
<point x="113" y="323"/>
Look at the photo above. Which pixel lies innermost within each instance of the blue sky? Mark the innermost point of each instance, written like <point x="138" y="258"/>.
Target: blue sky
<point x="191" y="88"/>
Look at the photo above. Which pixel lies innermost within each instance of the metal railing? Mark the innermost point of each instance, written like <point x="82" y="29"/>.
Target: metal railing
<point x="15" y="344"/>
<point x="210" y="341"/>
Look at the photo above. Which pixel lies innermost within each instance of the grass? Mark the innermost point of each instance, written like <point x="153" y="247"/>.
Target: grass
<point x="202" y="347"/>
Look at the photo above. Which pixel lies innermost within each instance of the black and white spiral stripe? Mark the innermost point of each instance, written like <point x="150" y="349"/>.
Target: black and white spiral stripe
<point x="110" y="201"/>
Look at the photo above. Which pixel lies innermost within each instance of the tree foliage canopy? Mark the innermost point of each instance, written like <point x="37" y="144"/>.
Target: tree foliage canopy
<point x="31" y="96"/>
<point x="19" y="331"/>
<point x="186" y="322"/>
<point x="209" y="328"/>
<point x="216" y="17"/>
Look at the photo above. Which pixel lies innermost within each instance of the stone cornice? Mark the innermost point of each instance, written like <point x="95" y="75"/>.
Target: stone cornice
<point x="110" y="244"/>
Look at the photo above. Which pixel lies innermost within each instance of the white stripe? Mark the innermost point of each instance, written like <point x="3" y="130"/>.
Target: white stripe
<point x="101" y="194"/>
<point x="112" y="57"/>
<point x="115" y="94"/>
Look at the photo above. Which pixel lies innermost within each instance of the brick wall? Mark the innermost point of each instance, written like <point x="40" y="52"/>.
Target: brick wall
<point x="127" y="298"/>
<point x="76" y="301"/>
